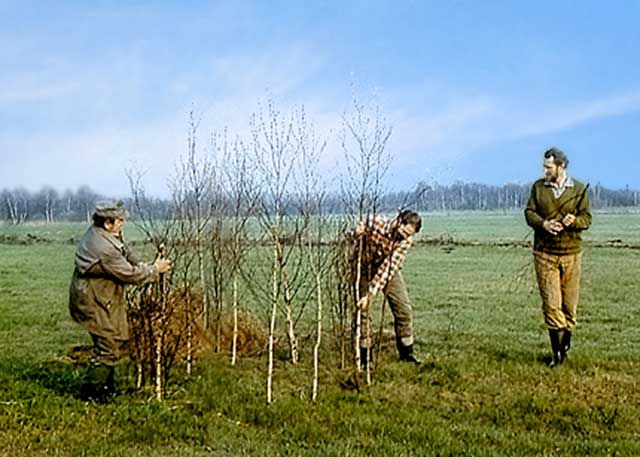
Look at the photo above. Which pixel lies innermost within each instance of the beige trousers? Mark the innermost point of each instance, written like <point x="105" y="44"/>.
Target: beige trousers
<point x="398" y="298"/>
<point x="107" y="351"/>
<point x="559" y="283"/>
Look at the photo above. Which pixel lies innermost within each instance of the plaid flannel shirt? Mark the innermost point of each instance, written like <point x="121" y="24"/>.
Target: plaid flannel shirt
<point x="379" y="231"/>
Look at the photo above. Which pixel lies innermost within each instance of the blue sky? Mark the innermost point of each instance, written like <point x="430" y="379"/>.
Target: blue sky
<point x="474" y="90"/>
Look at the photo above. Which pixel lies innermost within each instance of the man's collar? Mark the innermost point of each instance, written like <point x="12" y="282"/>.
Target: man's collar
<point x="110" y="237"/>
<point x="567" y="183"/>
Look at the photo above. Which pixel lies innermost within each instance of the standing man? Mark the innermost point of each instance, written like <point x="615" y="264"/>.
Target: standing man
<point x="558" y="211"/>
<point x="103" y="266"/>
<point x="387" y="242"/>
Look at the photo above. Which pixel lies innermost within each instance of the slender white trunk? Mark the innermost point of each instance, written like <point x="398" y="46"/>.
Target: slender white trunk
<point x="357" y="339"/>
<point x="12" y="211"/>
<point x="160" y="333"/>
<point x="369" y="351"/>
<point x="316" y="348"/>
<point x="48" y="210"/>
<point x="272" y="323"/>
<point x="358" y="312"/>
<point x="159" y="365"/>
<point x="139" y="375"/>
<point x="234" y="339"/>
<point x="291" y="333"/>
<point x="189" y="340"/>
<point x="293" y="341"/>
<point x="203" y="281"/>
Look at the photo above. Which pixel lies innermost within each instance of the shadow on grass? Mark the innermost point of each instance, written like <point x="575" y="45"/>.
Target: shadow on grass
<point x="513" y="355"/>
<point x="62" y="378"/>
<point x="533" y="357"/>
<point x="24" y="379"/>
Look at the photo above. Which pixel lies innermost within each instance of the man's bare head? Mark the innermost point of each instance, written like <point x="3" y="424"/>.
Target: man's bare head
<point x="410" y="223"/>
<point x="555" y="163"/>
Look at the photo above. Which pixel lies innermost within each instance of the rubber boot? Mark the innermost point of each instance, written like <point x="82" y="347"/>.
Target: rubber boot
<point x="110" y="385"/>
<point x="365" y="356"/>
<point x="556" y="354"/>
<point x="565" y="342"/>
<point x="407" y="355"/>
<point x="98" y="383"/>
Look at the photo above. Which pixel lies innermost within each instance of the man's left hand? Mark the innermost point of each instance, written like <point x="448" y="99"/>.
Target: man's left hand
<point x="363" y="303"/>
<point x="568" y="220"/>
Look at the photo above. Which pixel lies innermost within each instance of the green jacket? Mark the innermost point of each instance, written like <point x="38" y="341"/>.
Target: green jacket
<point x="96" y="295"/>
<point x="543" y="205"/>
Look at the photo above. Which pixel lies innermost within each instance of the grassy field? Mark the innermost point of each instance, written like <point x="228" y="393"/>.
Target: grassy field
<point x="623" y="225"/>
<point x="484" y="389"/>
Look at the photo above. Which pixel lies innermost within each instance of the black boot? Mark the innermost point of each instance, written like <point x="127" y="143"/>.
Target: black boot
<point x="98" y="384"/>
<point x="407" y="355"/>
<point x="110" y="385"/>
<point x="565" y="342"/>
<point x="556" y="355"/>
<point x="365" y="357"/>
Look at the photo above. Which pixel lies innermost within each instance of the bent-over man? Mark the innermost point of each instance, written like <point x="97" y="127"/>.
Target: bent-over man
<point x="558" y="211"/>
<point x="103" y="266"/>
<point x="388" y="242"/>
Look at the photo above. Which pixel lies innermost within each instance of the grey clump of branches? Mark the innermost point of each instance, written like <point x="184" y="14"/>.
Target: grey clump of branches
<point x="274" y="149"/>
<point x="318" y="228"/>
<point x="163" y="314"/>
<point x="192" y="189"/>
<point x="363" y="139"/>
<point x="218" y="236"/>
<point x="242" y="195"/>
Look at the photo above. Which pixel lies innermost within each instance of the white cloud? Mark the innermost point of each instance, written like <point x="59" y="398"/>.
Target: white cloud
<point x="456" y="127"/>
<point x="98" y="153"/>
<point x="441" y="128"/>
<point x="561" y="116"/>
<point x="97" y="158"/>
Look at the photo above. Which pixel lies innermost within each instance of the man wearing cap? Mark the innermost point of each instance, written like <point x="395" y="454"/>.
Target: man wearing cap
<point x="103" y="266"/>
<point x="558" y="211"/>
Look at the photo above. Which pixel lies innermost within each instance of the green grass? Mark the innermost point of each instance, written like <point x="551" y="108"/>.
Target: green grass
<point x="608" y="225"/>
<point x="483" y="390"/>
<point x="510" y="226"/>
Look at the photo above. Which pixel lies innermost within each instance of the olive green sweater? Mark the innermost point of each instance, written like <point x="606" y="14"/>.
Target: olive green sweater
<point x="543" y="205"/>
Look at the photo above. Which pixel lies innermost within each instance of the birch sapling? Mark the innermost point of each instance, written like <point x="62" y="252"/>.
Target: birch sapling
<point x="160" y="329"/>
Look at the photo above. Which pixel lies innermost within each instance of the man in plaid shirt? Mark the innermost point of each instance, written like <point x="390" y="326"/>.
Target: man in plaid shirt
<point x="386" y="243"/>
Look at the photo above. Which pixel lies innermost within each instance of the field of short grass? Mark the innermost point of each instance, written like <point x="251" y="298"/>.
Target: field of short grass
<point x="484" y="389"/>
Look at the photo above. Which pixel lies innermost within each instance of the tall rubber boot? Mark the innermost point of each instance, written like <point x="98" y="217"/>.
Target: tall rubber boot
<point x="556" y="355"/>
<point x="365" y="357"/>
<point x="110" y="385"/>
<point x="565" y="342"/>
<point x="98" y="383"/>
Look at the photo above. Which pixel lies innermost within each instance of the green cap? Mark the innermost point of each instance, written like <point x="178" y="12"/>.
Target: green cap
<point x="113" y="209"/>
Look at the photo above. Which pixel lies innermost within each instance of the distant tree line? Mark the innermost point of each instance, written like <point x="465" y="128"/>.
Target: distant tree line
<point x="461" y="196"/>
<point x="49" y="205"/>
